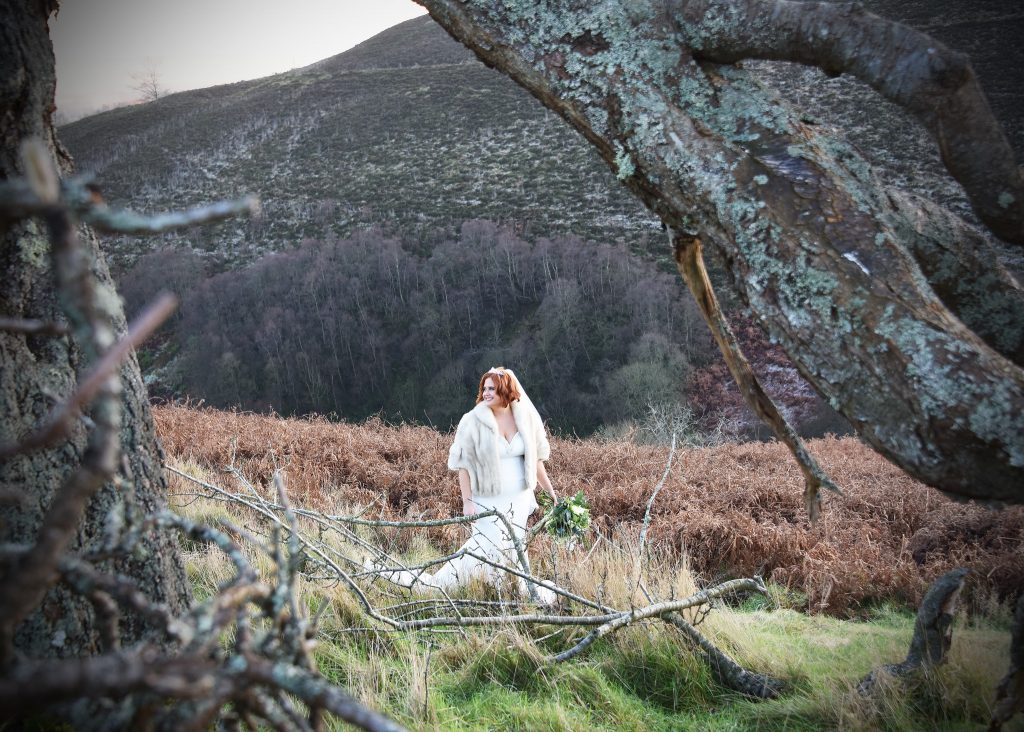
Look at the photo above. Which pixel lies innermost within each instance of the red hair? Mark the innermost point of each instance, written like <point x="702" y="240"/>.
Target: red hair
<point x="504" y="386"/>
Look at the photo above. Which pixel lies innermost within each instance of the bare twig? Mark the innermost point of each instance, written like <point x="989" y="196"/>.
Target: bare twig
<point x="647" y="513"/>
<point x="32" y="327"/>
<point x="658" y="610"/>
<point x="111" y="221"/>
<point x="20" y="199"/>
<point x="690" y="261"/>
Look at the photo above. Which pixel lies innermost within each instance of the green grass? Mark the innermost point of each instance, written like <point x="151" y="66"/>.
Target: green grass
<point x="641" y="678"/>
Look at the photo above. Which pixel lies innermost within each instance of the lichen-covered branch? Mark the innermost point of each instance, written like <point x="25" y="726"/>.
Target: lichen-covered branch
<point x="933" y="631"/>
<point x="937" y="85"/>
<point x="963" y="272"/>
<point x="725" y="669"/>
<point x="18" y="199"/>
<point x="812" y="242"/>
<point x="657" y="610"/>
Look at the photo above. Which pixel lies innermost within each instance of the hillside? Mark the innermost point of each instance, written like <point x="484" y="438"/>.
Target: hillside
<point x="409" y="132"/>
<point x="365" y="138"/>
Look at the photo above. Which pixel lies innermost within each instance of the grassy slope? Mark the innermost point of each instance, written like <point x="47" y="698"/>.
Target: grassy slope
<point x="408" y="131"/>
<point x="642" y="678"/>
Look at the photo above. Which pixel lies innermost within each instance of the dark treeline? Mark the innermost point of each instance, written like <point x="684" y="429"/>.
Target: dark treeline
<point x="366" y="325"/>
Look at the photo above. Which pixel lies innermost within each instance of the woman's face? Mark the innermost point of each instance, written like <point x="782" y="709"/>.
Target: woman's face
<point x="491" y="398"/>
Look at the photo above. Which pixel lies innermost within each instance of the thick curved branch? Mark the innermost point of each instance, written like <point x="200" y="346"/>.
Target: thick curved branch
<point x="905" y="66"/>
<point x="964" y="271"/>
<point x="726" y="670"/>
<point x="933" y="631"/>
<point x="812" y="242"/>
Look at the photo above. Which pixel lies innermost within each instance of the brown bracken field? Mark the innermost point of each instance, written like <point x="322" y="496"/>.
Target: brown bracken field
<point x="736" y="510"/>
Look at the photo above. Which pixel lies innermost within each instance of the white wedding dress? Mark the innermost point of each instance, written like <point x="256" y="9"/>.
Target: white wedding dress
<point x="490" y="536"/>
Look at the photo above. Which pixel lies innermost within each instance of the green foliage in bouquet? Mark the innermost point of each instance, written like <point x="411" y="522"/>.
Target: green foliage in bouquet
<point x="569" y="518"/>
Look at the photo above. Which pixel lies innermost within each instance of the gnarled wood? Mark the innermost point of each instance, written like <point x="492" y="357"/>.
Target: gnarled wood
<point x="813" y="243"/>
<point x="933" y="631"/>
<point x="907" y="67"/>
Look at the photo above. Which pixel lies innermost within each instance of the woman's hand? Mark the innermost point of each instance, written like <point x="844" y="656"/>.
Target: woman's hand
<point x="545" y="482"/>
<point x="469" y="508"/>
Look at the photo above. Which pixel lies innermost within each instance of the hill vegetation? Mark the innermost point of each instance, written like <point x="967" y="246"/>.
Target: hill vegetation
<point x="408" y="131"/>
<point x="371" y="325"/>
<point x="725" y="510"/>
<point x="733" y="510"/>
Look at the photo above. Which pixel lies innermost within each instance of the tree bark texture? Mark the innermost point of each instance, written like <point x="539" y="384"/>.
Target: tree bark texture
<point x="818" y="249"/>
<point x="39" y="370"/>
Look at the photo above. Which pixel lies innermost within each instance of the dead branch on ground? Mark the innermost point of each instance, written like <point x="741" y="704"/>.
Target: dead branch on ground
<point x="933" y="632"/>
<point x="330" y="542"/>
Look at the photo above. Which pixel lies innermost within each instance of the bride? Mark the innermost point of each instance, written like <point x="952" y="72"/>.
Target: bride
<point x="499" y="452"/>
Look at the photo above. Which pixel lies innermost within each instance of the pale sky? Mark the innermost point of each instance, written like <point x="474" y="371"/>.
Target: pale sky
<point x="102" y="47"/>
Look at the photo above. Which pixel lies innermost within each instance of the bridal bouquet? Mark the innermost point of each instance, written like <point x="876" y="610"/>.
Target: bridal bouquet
<point x="568" y="519"/>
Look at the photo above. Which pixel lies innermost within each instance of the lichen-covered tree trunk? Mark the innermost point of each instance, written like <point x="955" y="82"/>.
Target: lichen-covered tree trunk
<point x="37" y="371"/>
<point x="920" y="359"/>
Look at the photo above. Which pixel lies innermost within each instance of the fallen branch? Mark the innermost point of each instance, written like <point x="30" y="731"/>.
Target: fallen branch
<point x="659" y="609"/>
<point x="409" y="616"/>
<point x="933" y="632"/>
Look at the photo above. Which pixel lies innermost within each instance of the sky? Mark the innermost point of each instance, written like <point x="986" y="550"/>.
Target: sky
<point x="104" y="47"/>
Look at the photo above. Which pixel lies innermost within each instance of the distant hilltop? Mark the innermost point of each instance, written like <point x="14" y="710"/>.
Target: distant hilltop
<point x="409" y="132"/>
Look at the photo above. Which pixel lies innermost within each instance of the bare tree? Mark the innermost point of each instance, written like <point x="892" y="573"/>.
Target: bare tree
<point x="148" y="84"/>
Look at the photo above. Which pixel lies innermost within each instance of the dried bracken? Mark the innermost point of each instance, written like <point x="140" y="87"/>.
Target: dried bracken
<point x="736" y="510"/>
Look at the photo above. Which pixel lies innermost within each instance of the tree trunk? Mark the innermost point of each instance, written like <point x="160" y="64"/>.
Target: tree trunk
<point x="824" y="257"/>
<point x="38" y="371"/>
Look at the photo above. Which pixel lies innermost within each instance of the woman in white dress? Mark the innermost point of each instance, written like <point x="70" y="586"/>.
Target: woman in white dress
<point x="499" y="452"/>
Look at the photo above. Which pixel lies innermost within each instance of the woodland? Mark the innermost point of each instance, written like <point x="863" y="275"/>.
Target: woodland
<point x="899" y="313"/>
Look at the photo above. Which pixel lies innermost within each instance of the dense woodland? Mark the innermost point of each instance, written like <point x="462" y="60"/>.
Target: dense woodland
<point x="371" y="324"/>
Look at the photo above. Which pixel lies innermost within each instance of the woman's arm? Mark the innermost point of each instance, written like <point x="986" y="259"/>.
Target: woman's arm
<point x="469" y="508"/>
<point x="544" y="481"/>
